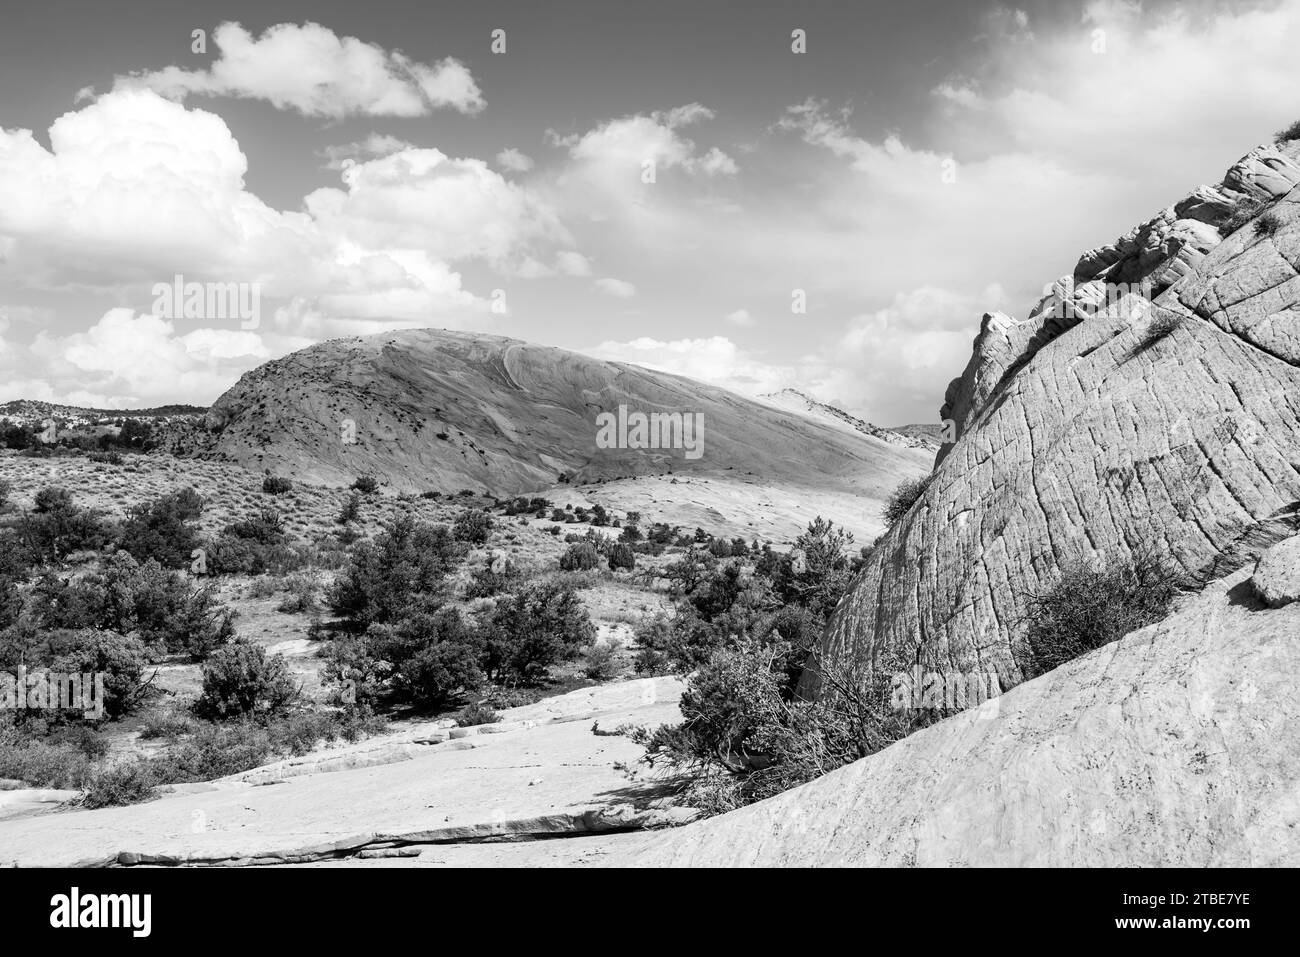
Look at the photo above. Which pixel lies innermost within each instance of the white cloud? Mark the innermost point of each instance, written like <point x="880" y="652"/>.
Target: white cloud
<point x="310" y="69"/>
<point x="136" y="189"/>
<point x="572" y="263"/>
<point x="716" y="359"/>
<point x="512" y="160"/>
<point x="376" y="144"/>
<point x="616" y="287"/>
<point x="130" y="361"/>
<point x="740" y="317"/>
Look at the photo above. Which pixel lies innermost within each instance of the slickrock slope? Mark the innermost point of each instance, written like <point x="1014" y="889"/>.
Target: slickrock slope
<point x="439" y="410"/>
<point x="1095" y="428"/>
<point x="1172" y="747"/>
<point x="540" y="772"/>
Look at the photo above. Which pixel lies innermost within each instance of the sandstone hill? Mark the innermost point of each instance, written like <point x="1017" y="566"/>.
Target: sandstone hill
<point x="438" y="410"/>
<point x="911" y="436"/>
<point x="1172" y="747"/>
<point x="1150" y="401"/>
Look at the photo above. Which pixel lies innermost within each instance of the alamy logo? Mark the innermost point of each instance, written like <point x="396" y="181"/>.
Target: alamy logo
<point x="916" y="690"/>
<point x="52" y="690"/>
<point x="179" y="299"/>
<point x="656" y="430"/>
<point x="73" y="910"/>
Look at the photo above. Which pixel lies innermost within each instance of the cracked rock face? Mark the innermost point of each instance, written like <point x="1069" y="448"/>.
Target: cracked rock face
<point x="1173" y="747"/>
<point x="1277" y="576"/>
<point x="1104" y="423"/>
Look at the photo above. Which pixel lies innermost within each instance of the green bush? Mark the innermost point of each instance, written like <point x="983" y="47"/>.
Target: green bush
<point x="532" y="630"/>
<point x="164" y="529"/>
<point x="473" y="525"/>
<point x="351" y="510"/>
<point x="600" y="661"/>
<point x="429" y="659"/>
<point x="1088" y="607"/>
<point x="1292" y="132"/>
<point x="1268" y="224"/>
<point x="621" y="555"/>
<point x="579" y="556"/>
<point x="903" y="497"/>
<point x="241" y="680"/>
<point x="130" y="782"/>
<point x="366" y="484"/>
<point x="276" y="485"/>
<point x="405" y="566"/>
<point x="476" y="713"/>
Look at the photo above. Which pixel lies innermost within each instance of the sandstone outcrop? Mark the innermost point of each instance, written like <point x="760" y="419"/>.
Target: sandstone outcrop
<point x="1174" y="746"/>
<point x="1106" y="423"/>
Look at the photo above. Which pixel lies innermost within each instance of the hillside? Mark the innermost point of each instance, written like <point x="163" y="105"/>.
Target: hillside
<point x="430" y="410"/>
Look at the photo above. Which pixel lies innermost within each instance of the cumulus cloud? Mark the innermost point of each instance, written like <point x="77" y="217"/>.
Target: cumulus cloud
<point x="136" y="188"/>
<point x="618" y="288"/>
<point x="311" y="69"/>
<point x="376" y="144"/>
<point x="740" y="317"/>
<point x="715" y="359"/>
<point x="512" y="160"/>
<point x="126" y="360"/>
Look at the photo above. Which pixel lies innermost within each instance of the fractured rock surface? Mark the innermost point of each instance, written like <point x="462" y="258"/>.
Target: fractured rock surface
<point x="1174" y="746"/>
<point x="1104" y="425"/>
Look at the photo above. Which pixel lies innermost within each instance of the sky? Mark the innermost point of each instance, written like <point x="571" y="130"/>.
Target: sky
<point x="823" y="196"/>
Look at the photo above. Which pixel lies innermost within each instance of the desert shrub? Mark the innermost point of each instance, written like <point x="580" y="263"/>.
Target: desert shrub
<point x="621" y="556"/>
<point x="164" y="529"/>
<point x="299" y="732"/>
<point x="215" y="751"/>
<point x="383" y="579"/>
<point x="903" y="497"/>
<point x="493" y="579"/>
<point x="351" y="510"/>
<point x="121" y="659"/>
<point x="430" y="659"/>
<point x="1240" y="215"/>
<point x="1268" y="224"/>
<point x="128" y="782"/>
<point x="58" y="527"/>
<point x="579" y="556"/>
<point x="276" y="485"/>
<point x="40" y="762"/>
<point x="6" y="487"/>
<point x="162" y="607"/>
<point x="600" y="661"/>
<point x="816" y="572"/>
<point x="365" y="484"/>
<point x="747" y="736"/>
<point x="302" y="590"/>
<point x="106" y="458"/>
<point x="1088" y="607"/>
<point x="533" y="629"/>
<point x="252" y="546"/>
<point x="16" y="436"/>
<point x="1292" y="132"/>
<point x="168" y="723"/>
<point x="473" y="525"/>
<point x="242" y="680"/>
<point x="475" y="713"/>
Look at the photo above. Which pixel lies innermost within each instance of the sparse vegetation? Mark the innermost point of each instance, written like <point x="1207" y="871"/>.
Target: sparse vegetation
<point x="1292" y="132"/>
<point x="902" y="498"/>
<point x="276" y="485"/>
<point x="1088" y="607"/>
<point x="1268" y="224"/>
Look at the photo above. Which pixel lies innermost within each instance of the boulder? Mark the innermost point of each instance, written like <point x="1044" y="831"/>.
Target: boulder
<point x="1277" y="576"/>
